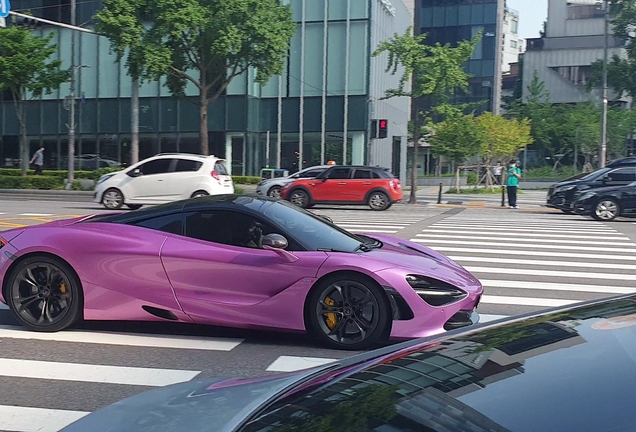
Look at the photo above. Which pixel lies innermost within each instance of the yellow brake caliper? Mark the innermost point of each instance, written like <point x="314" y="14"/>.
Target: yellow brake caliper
<point x="331" y="316"/>
<point x="63" y="290"/>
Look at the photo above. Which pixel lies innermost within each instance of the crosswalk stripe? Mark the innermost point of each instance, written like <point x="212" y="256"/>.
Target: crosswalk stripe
<point x="553" y="273"/>
<point x="526" y="301"/>
<point x="631" y="250"/>
<point x="499" y="260"/>
<point x="525" y="240"/>
<point x="527" y="229"/>
<point x="364" y="230"/>
<point x="34" y="369"/>
<point x="293" y="363"/>
<point x="15" y="418"/>
<point x="371" y="226"/>
<point x="501" y="252"/>
<point x="36" y="214"/>
<point x="126" y="339"/>
<point x="517" y="234"/>
<point x="550" y="286"/>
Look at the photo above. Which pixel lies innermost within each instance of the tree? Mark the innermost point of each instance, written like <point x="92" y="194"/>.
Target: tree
<point x="502" y="138"/>
<point x="121" y="21"/>
<point x="434" y="71"/>
<point x="27" y="72"/>
<point x="457" y="137"/>
<point x="211" y="42"/>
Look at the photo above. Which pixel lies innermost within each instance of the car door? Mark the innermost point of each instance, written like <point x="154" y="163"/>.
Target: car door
<point x="360" y="184"/>
<point x="331" y="185"/>
<point x="217" y="273"/>
<point x="184" y="179"/>
<point x="150" y="181"/>
<point x="628" y="199"/>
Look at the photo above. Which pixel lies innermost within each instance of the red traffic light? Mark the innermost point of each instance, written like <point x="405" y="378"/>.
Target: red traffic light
<point x="383" y="129"/>
<point x="383" y="124"/>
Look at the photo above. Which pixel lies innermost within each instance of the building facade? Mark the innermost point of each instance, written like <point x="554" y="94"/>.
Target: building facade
<point x="563" y="58"/>
<point x="319" y="109"/>
<point x="513" y="45"/>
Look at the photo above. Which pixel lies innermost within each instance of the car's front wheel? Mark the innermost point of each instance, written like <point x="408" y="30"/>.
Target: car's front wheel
<point x="44" y="294"/>
<point x="607" y="209"/>
<point x="274" y="192"/>
<point x="300" y="198"/>
<point x="348" y="312"/>
<point x="113" y="199"/>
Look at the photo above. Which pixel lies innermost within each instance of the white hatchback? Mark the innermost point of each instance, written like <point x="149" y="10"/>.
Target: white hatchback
<point x="164" y="178"/>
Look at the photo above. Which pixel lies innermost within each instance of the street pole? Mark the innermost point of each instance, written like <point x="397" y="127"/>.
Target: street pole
<point x="603" y="150"/>
<point x="71" y="120"/>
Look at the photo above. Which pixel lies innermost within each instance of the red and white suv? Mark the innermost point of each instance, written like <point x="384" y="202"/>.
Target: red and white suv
<point x="372" y="186"/>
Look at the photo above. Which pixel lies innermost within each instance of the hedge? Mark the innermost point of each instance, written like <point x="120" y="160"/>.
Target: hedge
<point x="246" y="180"/>
<point x="62" y="174"/>
<point x="31" y="182"/>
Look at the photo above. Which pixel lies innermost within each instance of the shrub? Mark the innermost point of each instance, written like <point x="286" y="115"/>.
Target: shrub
<point x="246" y="180"/>
<point x="30" y="182"/>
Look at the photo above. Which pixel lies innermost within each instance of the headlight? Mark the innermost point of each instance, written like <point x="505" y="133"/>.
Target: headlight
<point x="435" y="292"/>
<point x="585" y="196"/>
<point x="565" y="188"/>
<point x="105" y="177"/>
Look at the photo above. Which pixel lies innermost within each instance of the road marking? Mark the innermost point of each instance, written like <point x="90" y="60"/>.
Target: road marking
<point x="484" y="318"/>
<point x="11" y="225"/>
<point x="126" y="339"/>
<point x="435" y="230"/>
<point x="500" y="252"/>
<point x="578" y="248"/>
<point x="293" y="363"/>
<point x="364" y="230"/>
<point x="526" y="301"/>
<point x="396" y="227"/>
<point x="36" y="214"/>
<point x="14" y="418"/>
<point x="548" y="286"/>
<point x="543" y="262"/>
<point x="519" y="239"/>
<point x="527" y="229"/>
<point x="552" y="273"/>
<point x="20" y="368"/>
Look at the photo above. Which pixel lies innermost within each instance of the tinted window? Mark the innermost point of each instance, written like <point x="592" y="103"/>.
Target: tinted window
<point x="362" y="174"/>
<point x="157" y="166"/>
<point x="339" y="173"/>
<point x="623" y="175"/>
<point x="310" y="174"/>
<point x="188" y="165"/>
<point x="220" y="169"/>
<point x="596" y="174"/>
<point x="171" y="223"/>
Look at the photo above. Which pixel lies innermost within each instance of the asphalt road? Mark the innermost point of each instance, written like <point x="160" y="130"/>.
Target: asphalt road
<point x="528" y="259"/>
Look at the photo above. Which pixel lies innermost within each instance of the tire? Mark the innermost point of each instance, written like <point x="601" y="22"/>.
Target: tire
<point x="43" y="283"/>
<point x="274" y="192"/>
<point x="348" y="327"/>
<point x="113" y="199"/>
<point x="199" y="194"/>
<point x="379" y="201"/>
<point x="134" y="206"/>
<point x="300" y="198"/>
<point x="567" y="211"/>
<point x="606" y="209"/>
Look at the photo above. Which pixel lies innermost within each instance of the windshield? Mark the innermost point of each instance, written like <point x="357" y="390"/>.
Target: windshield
<point x="312" y="231"/>
<point x="596" y="174"/>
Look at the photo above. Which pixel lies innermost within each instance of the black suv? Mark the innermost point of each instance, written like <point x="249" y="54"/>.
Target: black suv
<point x="617" y="173"/>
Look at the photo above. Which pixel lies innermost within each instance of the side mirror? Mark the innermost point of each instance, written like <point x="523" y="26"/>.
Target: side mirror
<point x="606" y="178"/>
<point x="327" y="218"/>
<point x="134" y="173"/>
<point x="275" y="241"/>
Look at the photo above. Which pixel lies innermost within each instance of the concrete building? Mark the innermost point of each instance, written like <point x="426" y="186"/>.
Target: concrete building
<point x="513" y="45"/>
<point x="319" y="109"/>
<point x="562" y="59"/>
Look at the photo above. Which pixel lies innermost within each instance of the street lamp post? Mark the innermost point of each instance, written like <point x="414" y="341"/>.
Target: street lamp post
<point x="603" y="149"/>
<point x="71" y="120"/>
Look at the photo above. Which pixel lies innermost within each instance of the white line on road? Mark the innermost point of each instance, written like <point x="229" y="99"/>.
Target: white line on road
<point x="493" y="227"/>
<point x="552" y="273"/>
<point x="126" y="339"/>
<point x="512" y="232"/>
<point x="526" y="301"/>
<point x="293" y="363"/>
<point x="14" y="418"/>
<point x="395" y="227"/>
<point x="364" y="230"/>
<point x="548" y="286"/>
<point x="36" y="214"/>
<point x="500" y="252"/>
<point x="498" y="260"/>
<point x="484" y="318"/>
<point x="20" y="368"/>
<point x="519" y="239"/>
<point x="533" y="246"/>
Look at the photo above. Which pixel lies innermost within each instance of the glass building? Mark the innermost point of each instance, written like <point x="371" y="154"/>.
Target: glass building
<point x="319" y="109"/>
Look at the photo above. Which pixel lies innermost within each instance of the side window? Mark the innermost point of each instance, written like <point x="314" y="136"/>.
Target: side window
<point x="310" y="174"/>
<point x="220" y="168"/>
<point x="187" y="165"/>
<point x="340" y="174"/>
<point x="376" y="175"/>
<point x="157" y="166"/>
<point x="362" y="174"/>
<point x="228" y="227"/>
<point x="623" y="175"/>
<point x="172" y="224"/>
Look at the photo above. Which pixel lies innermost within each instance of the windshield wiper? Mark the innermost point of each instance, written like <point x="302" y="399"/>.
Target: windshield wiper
<point x="332" y="250"/>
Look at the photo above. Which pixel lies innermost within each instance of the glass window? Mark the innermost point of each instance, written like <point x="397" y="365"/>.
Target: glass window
<point x="184" y="165"/>
<point x="157" y="166"/>
<point x="362" y="174"/>
<point x="357" y="59"/>
<point x="310" y="173"/>
<point x="514" y="27"/>
<point x="314" y="36"/>
<point x="220" y="168"/>
<point x="336" y="58"/>
<point x="172" y="224"/>
<point x="622" y="175"/>
<point x="439" y="17"/>
<point x="315" y="10"/>
<point x="513" y="44"/>
<point x="339" y="174"/>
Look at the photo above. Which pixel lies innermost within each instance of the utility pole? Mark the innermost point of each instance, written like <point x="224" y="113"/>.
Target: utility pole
<point x="602" y="155"/>
<point x="71" y="119"/>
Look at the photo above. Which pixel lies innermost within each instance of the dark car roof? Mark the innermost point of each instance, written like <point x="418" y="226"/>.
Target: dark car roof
<point x="626" y="161"/>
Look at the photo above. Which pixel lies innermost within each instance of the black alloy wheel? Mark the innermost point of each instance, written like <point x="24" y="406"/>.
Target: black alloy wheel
<point x="348" y="313"/>
<point x="44" y="294"/>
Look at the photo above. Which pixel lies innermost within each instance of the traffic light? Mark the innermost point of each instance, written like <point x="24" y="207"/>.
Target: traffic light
<point x="374" y="128"/>
<point x="383" y="128"/>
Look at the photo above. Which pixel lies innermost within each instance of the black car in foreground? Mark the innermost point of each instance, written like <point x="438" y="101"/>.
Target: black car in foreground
<point x="561" y="195"/>
<point x="568" y="369"/>
<point x="607" y="203"/>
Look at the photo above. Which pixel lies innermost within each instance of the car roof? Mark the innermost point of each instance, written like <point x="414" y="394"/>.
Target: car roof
<point x="626" y="161"/>
<point x="186" y="155"/>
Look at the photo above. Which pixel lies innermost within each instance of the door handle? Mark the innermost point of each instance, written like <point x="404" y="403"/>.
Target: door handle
<point x="366" y="183"/>
<point x="342" y="183"/>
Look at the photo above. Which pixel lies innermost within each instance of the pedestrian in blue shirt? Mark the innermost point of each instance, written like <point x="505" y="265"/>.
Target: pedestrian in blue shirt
<point x="38" y="161"/>
<point x="513" y="174"/>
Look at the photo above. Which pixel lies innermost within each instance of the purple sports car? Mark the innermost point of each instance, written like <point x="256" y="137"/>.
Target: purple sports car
<point x="233" y="261"/>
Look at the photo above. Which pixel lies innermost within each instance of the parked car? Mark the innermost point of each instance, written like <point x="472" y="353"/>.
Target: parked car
<point x="568" y="369"/>
<point x="234" y="261"/>
<point x="164" y="178"/>
<point x="620" y="173"/>
<point x="606" y="204"/>
<point x="272" y="187"/>
<point x="372" y="186"/>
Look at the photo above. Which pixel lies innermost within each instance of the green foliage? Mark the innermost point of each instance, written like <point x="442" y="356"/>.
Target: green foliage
<point x="246" y="180"/>
<point x="61" y="174"/>
<point x="547" y="172"/>
<point x="458" y="137"/>
<point x="31" y="182"/>
<point x="477" y="191"/>
<point x="501" y="137"/>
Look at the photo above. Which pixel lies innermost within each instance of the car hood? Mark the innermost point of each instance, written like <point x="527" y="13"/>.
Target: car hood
<point x="567" y="183"/>
<point x="605" y="190"/>
<point x="421" y="260"/>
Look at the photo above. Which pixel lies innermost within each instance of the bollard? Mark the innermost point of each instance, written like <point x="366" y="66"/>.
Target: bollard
<point x="503" y="196"/>
<point x="439" y="194"/>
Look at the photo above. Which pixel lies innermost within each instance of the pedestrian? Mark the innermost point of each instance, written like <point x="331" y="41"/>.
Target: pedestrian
<point x="38" y="161"/>
<point x="513" y="174"/>
<point x="496" y="171"/>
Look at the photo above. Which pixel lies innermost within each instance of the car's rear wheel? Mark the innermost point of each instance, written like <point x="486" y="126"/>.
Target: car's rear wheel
<point x="274" y="192"/>
<point x="348" y="312"/>
<point x="300" y="198"/>
<point x="134" y="206"/>
<point x="113" y="199"/>
<point x="607" y="209"/>
<point x="44" y="294"/>
<point x="379" y="201"/>
<point x="199" y="194"/>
